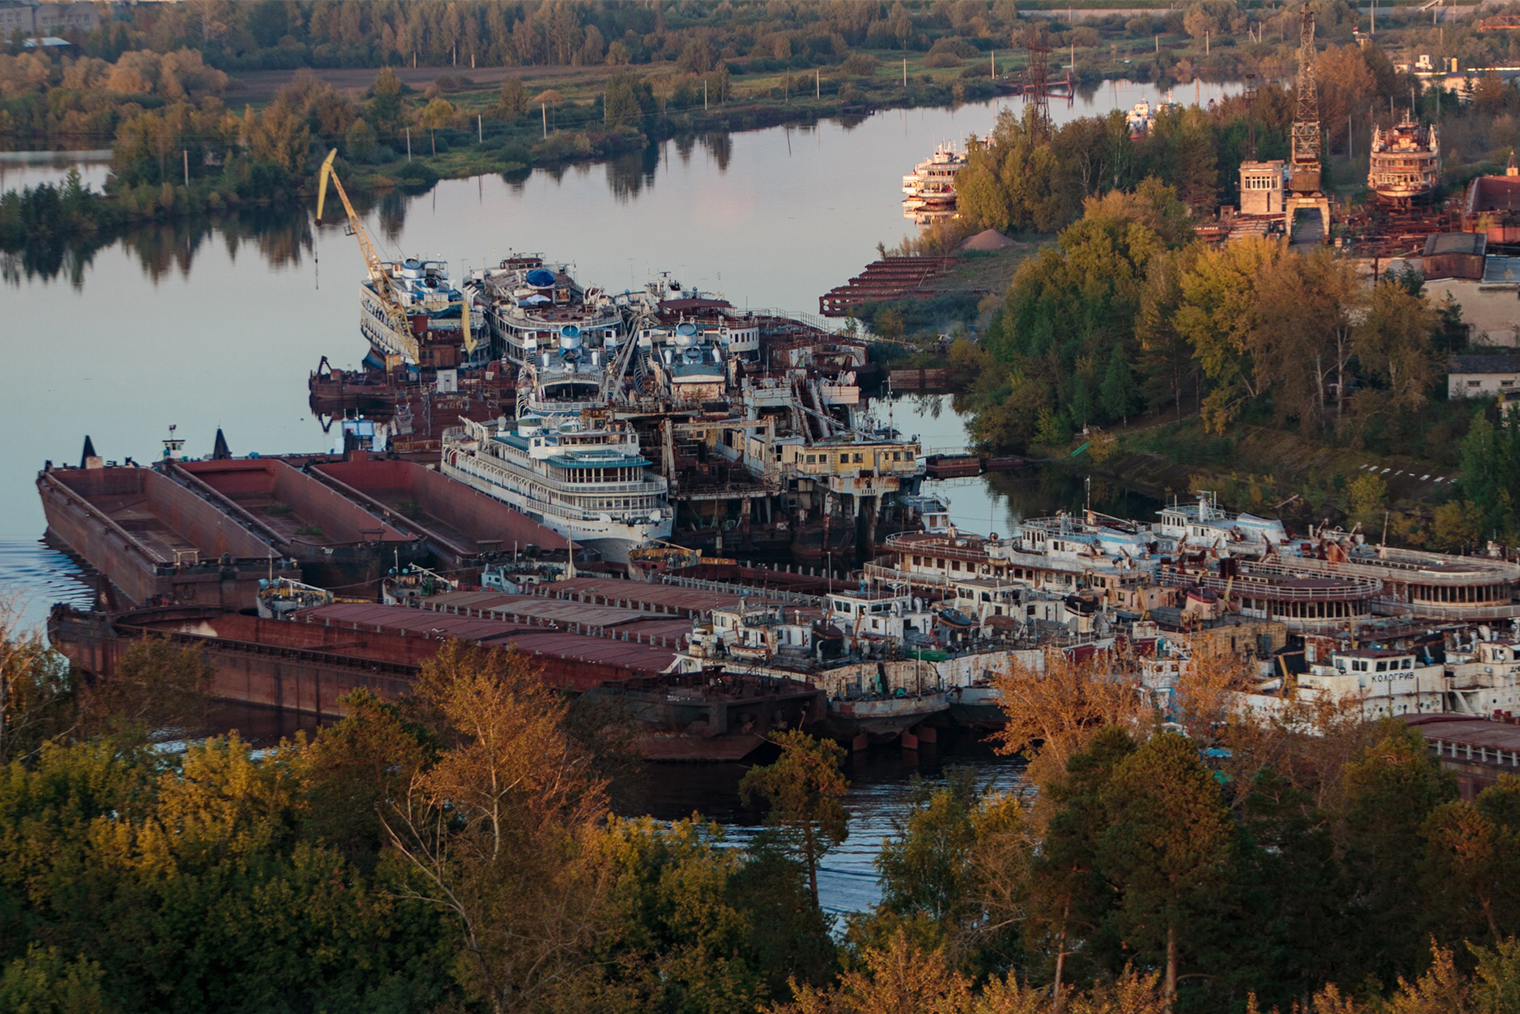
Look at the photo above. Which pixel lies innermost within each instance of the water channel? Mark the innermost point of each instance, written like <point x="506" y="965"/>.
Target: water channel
<point x="218" y="324"/>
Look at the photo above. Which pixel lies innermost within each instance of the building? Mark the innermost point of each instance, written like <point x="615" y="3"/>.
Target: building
<point x="1492" y="202"/>
<point x="1476" y="750"/>
<point x="1483" y="376"/>
<point x="1455" y="255"/>
<point x="1261" y="187"/>
<point x="34" y="17"/>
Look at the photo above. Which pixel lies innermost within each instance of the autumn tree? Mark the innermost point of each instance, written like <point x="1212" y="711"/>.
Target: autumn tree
<point x="498" y="833"/>
<point x="38" y="694"/>
<point x="1393" y="341"/>
<point x="804" y="789"/>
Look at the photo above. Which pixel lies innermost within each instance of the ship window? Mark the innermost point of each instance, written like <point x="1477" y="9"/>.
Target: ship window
<point x="844" y="459"/>
<point x="896" y="456"/>
<point x="857" y="459"/>
<point x="1382" y="667"/>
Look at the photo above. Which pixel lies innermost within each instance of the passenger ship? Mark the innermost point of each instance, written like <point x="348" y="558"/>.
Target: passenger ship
<point x="1405" y="164"/>
<point x="441" y="335"/>
<point x="582" y="477"/>
<point x="533" y="303"/>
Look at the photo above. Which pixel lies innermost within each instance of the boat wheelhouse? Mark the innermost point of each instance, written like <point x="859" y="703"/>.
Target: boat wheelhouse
<point x="1405" y="162"/>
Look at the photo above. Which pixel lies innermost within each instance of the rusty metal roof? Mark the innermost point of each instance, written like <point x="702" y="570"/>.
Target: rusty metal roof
<point x="1461" y="729"/>
<point x="531" y="639"/>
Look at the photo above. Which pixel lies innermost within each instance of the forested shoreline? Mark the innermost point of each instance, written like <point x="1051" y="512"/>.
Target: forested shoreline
<point x="457" y="850"/>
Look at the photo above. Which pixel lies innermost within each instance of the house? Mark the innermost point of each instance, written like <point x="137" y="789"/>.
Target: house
<point x="1483" y="376"/>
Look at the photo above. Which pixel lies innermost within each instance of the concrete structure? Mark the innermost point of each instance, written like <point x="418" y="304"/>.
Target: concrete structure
<point x="34" y="17"/>
<point x="1261" y="187"/>
<point x="1483" y="377"/>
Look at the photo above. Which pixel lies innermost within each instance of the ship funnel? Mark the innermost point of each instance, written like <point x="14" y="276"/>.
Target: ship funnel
<point x="569" y="337"/>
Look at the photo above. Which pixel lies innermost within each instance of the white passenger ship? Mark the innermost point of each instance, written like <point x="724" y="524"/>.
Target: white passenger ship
<point x="434" y="307"/>
<point x="584" y="478"/>
<point x="532" y="303"/>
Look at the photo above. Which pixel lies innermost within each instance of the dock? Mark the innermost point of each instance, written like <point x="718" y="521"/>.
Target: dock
<point x="885" y="281"/>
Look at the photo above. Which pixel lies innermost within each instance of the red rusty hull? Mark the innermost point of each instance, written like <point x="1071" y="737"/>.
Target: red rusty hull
<point x="156" y="541"/>
<point x="339" y="544"/>
<point x="457" y="521"/>
<point x="305" y="667"/>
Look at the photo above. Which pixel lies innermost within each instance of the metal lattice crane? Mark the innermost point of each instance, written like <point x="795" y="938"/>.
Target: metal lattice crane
<point x="378" y="275"/>
<point x="1037" y="77"/>
<point x="1306" y="133"/>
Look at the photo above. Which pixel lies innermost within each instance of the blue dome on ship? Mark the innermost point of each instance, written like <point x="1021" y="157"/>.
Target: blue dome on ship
<point x="540" y="278"/>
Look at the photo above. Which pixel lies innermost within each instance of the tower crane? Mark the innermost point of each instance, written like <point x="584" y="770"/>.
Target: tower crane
<point x="378" y="276"/>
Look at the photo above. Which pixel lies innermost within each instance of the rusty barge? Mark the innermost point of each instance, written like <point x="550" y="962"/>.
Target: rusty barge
<point x="305" y="664"/>
<point x="156" y="541"/>
<point x="337" y="542"/>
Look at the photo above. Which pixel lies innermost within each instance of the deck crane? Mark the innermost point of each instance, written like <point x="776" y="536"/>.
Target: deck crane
<point x="378" y="275"/>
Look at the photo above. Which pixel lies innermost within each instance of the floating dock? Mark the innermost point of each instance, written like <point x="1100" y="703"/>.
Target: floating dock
<point x="338" y="543"/>
<point x="155" y="540"/>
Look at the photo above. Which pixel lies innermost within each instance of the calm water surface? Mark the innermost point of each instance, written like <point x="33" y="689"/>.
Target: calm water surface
<point x="218" y="325"/>
<point x="206" y="327"/>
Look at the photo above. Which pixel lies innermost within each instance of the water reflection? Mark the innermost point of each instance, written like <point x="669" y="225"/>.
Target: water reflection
<point x="279" y="235"/>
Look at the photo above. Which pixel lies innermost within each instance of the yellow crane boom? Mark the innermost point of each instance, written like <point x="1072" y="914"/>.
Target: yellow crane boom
<point x="380" y="277"/>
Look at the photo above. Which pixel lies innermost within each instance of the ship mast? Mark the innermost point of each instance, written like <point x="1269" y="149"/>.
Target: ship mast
<point x="377" y="273"/>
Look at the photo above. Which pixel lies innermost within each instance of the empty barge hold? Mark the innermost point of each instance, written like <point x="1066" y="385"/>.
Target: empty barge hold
<point x="337" y="543"/>
<point x="156" y="541"/>
<point x="459" y="524"/>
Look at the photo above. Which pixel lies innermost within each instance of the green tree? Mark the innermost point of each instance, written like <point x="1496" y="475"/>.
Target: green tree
<point x="1167" y="850"/>
<point x="385" y="102"/>
<point x="514" y="98"/>
<point x="1218" y="314"/>
<point x="622" y="106"/>
<point x="158" y="684"/>
<point x="44" y="982"/>
<point x="1120" y="394"/>
<point x="804" y="789"/>
<point x="1388" y="794"/>
<point x="360" y="141"/>
<point x="1393" y="341"/>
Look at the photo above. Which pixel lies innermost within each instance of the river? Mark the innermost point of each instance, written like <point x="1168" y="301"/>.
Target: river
<point x="218" y="324"/>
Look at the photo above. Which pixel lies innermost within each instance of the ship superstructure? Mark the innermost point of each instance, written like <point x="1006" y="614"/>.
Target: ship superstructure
<point x="533" y="304"/>
<point x="584" y="478"/>
<point x="444" y="329"/>
<point x="1405" y="163"/>
<point x="929" y="190"/>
